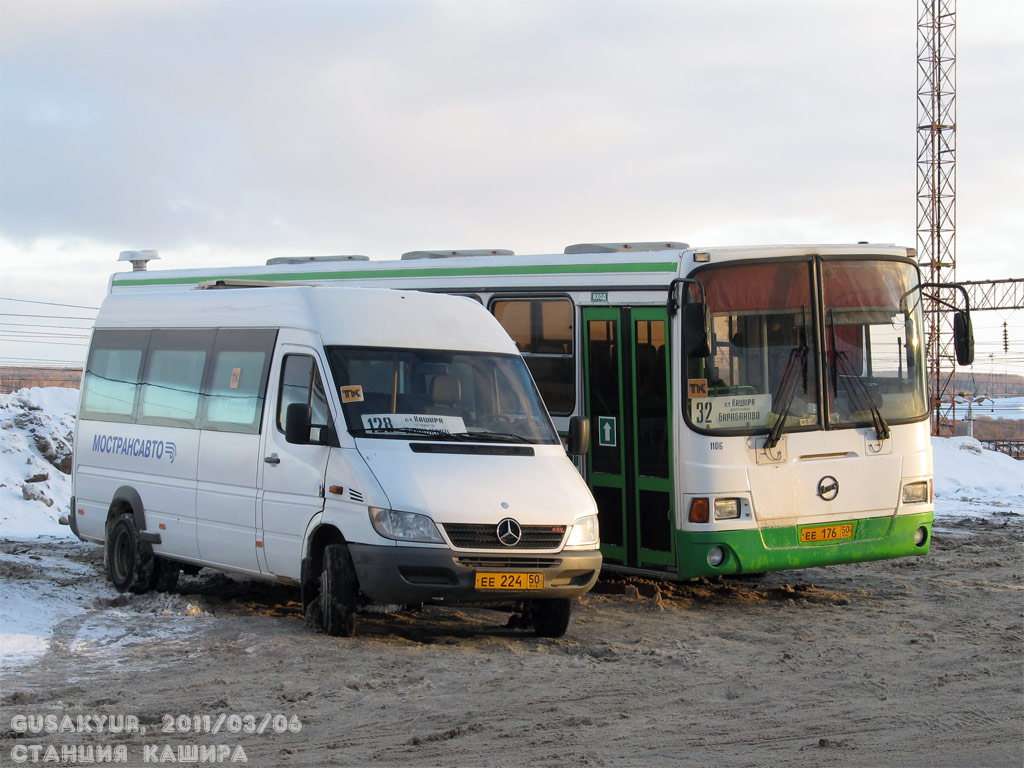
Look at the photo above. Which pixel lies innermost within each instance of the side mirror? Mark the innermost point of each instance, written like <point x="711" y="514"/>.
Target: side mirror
<point x="963" y="338"/>
<point x="297" y="423"/>
<point x="579" y="436"/>
<point x="696" y="330"/>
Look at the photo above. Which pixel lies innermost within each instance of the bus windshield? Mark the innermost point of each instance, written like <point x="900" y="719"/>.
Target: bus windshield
<point x="768" y="335"/>
<point x="873" y="341"/>
<point x="442" y="395"/>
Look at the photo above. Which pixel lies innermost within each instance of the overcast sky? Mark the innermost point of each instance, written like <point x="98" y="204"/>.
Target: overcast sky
<point x="229" y="131"/>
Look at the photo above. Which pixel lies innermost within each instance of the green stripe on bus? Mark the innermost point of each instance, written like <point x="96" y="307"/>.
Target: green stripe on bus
<point x="535" y="269"/>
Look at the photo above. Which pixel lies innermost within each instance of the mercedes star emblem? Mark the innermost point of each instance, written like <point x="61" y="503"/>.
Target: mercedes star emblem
<point x="509" y="532"/>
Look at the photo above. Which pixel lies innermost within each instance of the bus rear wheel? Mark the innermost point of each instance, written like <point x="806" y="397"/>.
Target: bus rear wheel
<point x="338" y="592"/>
<point x="551" y="617"/>
<point x="129" y="567"/>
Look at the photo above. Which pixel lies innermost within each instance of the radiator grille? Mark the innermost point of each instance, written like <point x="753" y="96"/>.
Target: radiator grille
<point x="485" y="536"/>
<point x="509" y="562"/>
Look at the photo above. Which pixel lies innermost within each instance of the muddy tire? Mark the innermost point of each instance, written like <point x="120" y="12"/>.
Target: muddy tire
<point x="314" y="616"/>
<point x="551" y="617"/>
<point x="129" y="567"/>
<point x="339" y="589"/>
<point x="165" y="575"/>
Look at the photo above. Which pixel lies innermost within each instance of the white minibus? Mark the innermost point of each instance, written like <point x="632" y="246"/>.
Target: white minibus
<point x="371" y="446"/>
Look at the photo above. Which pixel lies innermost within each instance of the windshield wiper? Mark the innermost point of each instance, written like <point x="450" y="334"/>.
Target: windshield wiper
<point x="860" y="393"/>
<point x="494" y="437"/>
<point x="787" y="388"/>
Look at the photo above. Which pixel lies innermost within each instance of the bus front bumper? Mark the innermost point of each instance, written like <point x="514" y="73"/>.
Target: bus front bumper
<point x="406" y="574"/>
<point x="759" y="550"/>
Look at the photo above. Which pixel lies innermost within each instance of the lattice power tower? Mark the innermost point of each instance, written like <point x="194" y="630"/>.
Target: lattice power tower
<point x="936" y="193"/>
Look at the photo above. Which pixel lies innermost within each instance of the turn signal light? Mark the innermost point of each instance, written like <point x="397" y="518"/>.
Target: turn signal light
<point x="700" y="510"/>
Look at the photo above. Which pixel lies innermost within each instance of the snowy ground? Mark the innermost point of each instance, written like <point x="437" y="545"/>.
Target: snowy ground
<point x="911" y="662"/>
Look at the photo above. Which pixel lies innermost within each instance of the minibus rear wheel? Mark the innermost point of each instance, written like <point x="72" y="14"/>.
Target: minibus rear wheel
<point x="130" y="568"/>
<point x="338" y="590"/>
<point x="551" y="617"/>
<point x="165" y="574"/>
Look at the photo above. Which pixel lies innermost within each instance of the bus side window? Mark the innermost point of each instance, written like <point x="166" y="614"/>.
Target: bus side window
<point x="542" y="330"/>
<point x="301" y="383"/>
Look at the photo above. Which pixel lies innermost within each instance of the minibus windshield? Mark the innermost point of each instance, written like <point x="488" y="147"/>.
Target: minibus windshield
<point x="443" y="395"/>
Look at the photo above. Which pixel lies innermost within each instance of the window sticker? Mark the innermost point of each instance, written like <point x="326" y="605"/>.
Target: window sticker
<point x="236" y="378"/>
<point x="417" y="422"/>
<point x="731" y="412"/>
<point x="698" y="387"/>
<point x="353" y="393"/>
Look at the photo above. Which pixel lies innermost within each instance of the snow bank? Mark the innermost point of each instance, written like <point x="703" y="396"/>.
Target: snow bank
<point x="970" y="478"/>
<point x="36" y="429"/>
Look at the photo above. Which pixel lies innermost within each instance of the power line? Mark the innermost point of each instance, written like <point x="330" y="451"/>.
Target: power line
<point x="38" y="325"/>
<point x="28" y="361"/>
<point x="48" y="303"/>
<point x="58" y="343"/>
<point x="46" y="317"/>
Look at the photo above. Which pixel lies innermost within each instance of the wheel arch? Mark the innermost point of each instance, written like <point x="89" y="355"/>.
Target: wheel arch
<point x="320" y="536"/>
<point x="126" y="500"/>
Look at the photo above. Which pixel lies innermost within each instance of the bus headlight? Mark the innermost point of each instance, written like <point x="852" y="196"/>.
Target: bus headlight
<point x="727" y="509"/>
<point x="584" y="532"/>
<point x="404" y="526"/>
<point x="916" y="493"/>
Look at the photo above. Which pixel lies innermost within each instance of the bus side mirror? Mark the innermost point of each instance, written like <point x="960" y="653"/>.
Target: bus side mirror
<point x="963" y="338"/>
<point x="697" y="330"/>
<point x="297" y="422"/>
<point x="579" y="436"/>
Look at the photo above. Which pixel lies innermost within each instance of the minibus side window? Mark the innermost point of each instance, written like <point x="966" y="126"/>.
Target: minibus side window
<point x="172" y="384"/>
<point x="111" y="377"/>
<point x="301" y="383"/>
<point x="237" y="383"/>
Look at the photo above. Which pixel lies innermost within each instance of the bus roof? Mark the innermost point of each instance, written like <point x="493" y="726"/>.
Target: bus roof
<point x="607" y="265"/>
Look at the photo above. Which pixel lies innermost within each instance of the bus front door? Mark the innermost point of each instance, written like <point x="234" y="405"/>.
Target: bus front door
<point x="630" y="460"/>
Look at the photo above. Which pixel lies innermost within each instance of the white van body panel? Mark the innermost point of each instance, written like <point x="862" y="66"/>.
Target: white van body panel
<point x="226" y="500"/>
<point x="159" y="463"/>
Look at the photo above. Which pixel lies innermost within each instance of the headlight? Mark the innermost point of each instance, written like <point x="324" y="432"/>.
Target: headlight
<point x="727" y="509"/>
<point x="404" y="526"/>
<point x="584" y="532"/>
<point x="915" y="493"/>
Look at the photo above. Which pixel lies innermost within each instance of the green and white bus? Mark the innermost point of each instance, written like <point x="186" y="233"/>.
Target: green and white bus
<point x="751" y="408"/>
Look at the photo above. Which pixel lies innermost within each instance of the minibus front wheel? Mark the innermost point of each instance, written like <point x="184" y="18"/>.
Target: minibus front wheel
<point x="129" y="567"/>
<point x="339" y="588"/>
<point x="551" y="617"/>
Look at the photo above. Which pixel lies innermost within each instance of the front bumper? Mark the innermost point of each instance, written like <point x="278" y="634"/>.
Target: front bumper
<point x="406" y="574"/>
<point x="758" y="550"/>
